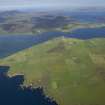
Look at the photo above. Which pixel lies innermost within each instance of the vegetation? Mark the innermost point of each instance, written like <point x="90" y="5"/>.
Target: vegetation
<point x="70" y="70"/>
<point x="28" y="23"/>
<point x="77" y="25"/>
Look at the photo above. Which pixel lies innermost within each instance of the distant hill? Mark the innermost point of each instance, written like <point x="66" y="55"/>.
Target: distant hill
<point x="15" y="22"/>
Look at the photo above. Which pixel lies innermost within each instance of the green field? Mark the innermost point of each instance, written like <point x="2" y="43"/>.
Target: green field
<point x="71" y="71"/>
<point x="77" y="25"/>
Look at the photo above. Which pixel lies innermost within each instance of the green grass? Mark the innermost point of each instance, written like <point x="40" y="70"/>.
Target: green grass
<point x="71" y="71"/>
<point x="76" y="25"/>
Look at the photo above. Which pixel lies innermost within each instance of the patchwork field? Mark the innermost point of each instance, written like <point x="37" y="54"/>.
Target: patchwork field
<point x="71" y="71"/>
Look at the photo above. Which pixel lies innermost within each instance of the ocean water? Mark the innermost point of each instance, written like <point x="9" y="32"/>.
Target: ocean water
<point x="10" y="44"/>
<point x="11" y="92"/>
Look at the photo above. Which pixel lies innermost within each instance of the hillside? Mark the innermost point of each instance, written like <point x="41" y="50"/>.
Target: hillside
<point x="71" y="71"/>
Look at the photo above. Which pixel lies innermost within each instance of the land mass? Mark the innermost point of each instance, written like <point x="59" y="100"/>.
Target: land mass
<point x="28" y="23"/>
<point x="70" y="70"/>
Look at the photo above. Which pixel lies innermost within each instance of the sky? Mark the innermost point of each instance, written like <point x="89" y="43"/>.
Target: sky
<point x="14" y="4"/>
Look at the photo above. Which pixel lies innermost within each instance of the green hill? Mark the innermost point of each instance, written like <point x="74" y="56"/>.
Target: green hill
<point x="71" y="71"/>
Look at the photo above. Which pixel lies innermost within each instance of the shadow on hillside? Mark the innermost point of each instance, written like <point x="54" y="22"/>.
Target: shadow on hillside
<point x="11" y="93"/>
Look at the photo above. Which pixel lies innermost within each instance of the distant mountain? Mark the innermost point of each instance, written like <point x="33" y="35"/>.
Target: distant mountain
<point x="9" y="13"/>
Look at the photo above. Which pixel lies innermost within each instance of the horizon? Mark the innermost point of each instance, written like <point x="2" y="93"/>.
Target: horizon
<point x="49" y="4"/>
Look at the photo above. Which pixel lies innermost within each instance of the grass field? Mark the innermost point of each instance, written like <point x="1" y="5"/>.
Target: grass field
<point x="71" y="71"/>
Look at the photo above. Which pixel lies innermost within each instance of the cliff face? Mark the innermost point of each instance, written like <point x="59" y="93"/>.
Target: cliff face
<point x="11" y="93"/>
